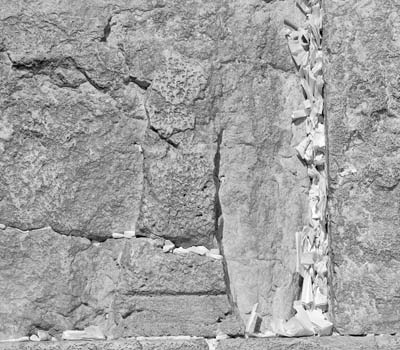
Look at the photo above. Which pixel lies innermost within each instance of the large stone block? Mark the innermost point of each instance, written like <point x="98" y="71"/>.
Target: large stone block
<point x="264" y="186"/>
<point x="362" y="45"/>
<point x="54" y="282"/>
<point x="69" y="155"/>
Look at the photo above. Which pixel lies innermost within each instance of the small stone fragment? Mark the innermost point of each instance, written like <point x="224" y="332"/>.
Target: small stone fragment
<point x="168" y="246"/>
<point x="2" y="226"/>
<point x="117" y="235"/>
<point x="200" y="250"/>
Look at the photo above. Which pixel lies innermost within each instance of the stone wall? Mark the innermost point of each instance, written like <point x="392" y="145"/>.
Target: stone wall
<point x="167" y="118"/>
<point x="172" y="119"/>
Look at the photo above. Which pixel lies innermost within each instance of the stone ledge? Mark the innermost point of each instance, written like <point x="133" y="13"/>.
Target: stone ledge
<point x="128" y="344"/>
<point x="385" y="342"/>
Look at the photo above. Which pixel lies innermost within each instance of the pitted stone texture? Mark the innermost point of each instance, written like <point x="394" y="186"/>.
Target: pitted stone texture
<point x="77" y="82"/>
<point x="364" y="157"/>
<point x="178" y="200"/>
<point x="173" y="315"/>
<point x="264" y="186"/>
<point x="76" y="284"/>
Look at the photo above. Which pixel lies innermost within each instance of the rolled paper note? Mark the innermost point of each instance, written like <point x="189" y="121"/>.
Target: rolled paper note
<point x="308" y="258"/>
<point x="307" y="104"/>
<point x="117" y="235"/>
<point x="299" y="114"/>
<point x="89" y="333"/>
<point x="129" y="234"/>
<point x="214" y="256"/>
<point x="180" y="251"/>
<point x="291" y="24"/>
<point x="200" y="250"/>
<point x="34" y="337"/>
<point x="168" y="246"/>
<point x="43" y="335"/>
<point x="307" y="295"/>
<point x="302" y="147"/>
<point x="321" y="267"/>
<point x="322" y="326"/>
<point x="302" y="316"/>
<point x="307" y="89"/>
<point x="251" y="321"/>
<point x="319" y="159"/>
<point x="320" y="300"/>
<point x="309" y="154"/>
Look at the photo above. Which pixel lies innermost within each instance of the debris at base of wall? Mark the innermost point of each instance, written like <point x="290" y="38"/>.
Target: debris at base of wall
<point x="312" y="242"/>
<point x="2" y="227"/>
<point x="304" y="323"/>
<point x="89" y="333"/>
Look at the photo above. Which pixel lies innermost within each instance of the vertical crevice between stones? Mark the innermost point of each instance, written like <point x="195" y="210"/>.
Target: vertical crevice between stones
<point x="219" y="221"/>
<point x="331" y="295"/>
<point x="312" y="243"/>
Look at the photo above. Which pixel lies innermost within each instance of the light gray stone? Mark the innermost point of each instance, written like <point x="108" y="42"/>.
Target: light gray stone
<point x="312" y="343"/>
<point x="53" y="282"/>
<point x="361" y="43"/>
<point x="264" y="186"/>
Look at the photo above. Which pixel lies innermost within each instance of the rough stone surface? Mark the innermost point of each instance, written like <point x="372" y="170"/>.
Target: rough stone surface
<point x="312" y="343"/>
<point x="54" y="282"/>
<point x="264" y="186"/>
<point x="363" y="111"/>
<point x="130" y="344"/>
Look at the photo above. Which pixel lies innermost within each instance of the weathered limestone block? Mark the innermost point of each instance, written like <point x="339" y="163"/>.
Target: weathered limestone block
<point x="173" y="315"/>
<point x="53" y="282"/>
<point x="264" y="186"/>
<point x="179" y="193"/>
<point x="68" y="153"/>
<point x="362" y="44"/>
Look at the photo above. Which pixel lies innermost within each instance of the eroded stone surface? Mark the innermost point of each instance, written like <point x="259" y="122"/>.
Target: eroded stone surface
<point x="123" y="286"/>
<point x="364" y="156"/>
